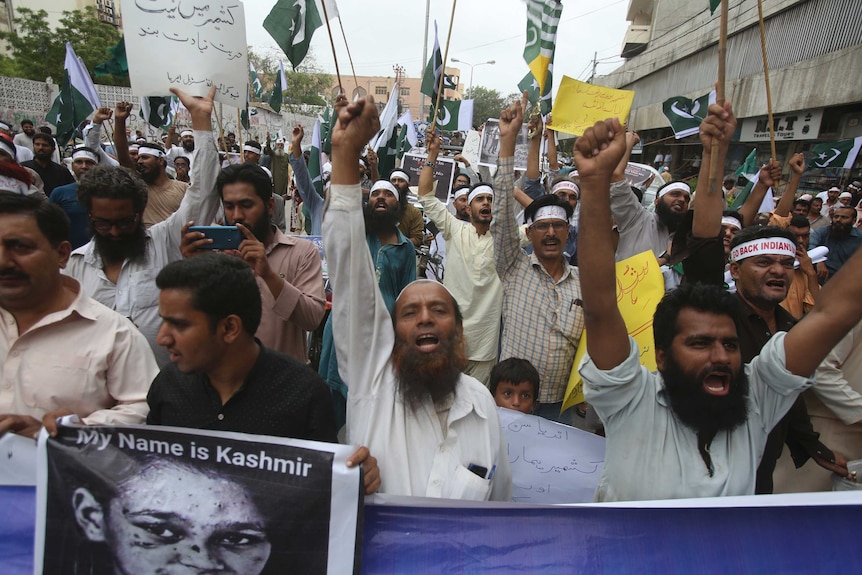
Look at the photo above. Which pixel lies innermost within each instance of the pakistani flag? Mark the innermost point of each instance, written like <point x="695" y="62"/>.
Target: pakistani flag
<point x="713" y="5"/>
<point x="275" y="99"/>
<point x="434" y="69"/>
<point x="314" y="164"/>
<point x="543" y="17"/>
<point x="291" y="24"/>
<point x="455" y="115"/>
<point x="407" y="137"/>
<point x="159" y="111"/>
<point x="256" y="86"/>
<point x="326" y="131"/>
<point x="840" y="154"/>
<point x="77" y="98"/>
<point x="388" y="121"/>
<point x="686" y="115"/>
<point x="118" y="65"/>
<point x="751" y="171"/>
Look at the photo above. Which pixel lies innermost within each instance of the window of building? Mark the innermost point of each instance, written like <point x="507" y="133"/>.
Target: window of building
<point x="379" y="90"/>
<point x="405" y="91"/>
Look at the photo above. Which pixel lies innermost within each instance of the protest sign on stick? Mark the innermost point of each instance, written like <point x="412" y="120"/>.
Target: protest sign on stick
<point x="489" y="147"/>
<point x="153" y="499"/>
<point x="187" y="44"/>
<point x="579" y="105"/>
<point x="444" y="172"/>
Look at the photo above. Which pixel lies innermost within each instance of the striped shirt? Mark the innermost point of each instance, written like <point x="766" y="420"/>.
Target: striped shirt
<point x="542" y="318"/>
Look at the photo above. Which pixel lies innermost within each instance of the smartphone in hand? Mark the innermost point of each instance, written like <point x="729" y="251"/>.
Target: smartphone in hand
<point x="223" y="237"/>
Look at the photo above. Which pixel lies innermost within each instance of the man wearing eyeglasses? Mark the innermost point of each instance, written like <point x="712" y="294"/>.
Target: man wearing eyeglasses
<point x="542" y="314"/>
<point x="118" y="267"/>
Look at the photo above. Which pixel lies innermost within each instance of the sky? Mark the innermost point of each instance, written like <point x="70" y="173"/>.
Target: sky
<point x="383" y="33"/>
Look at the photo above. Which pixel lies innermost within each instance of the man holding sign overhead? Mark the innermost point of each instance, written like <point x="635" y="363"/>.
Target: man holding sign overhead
<point x="696" y="428"/>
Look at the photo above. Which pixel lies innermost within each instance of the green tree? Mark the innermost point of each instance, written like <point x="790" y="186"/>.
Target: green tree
<point x="38" y="52"/>
<point x="308" y="84"/>
<point x="487" y="103"/>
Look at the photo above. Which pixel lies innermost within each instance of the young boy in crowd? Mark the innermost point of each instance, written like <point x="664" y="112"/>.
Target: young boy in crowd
<point x="515" y="384"/>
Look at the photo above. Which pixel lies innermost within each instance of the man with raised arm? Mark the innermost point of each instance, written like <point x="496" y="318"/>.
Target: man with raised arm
<point x="696" y="428"/>
<point x="435" y="430"/>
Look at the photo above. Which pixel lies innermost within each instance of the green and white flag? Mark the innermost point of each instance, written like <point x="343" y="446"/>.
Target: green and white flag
<point x="751" y="171"/>
<point x="841" y="154"/>
<point x="159" y="111"/>
<point x="388" y="122"/>
<point x="275" y="99"/>
<point x="77" y="98"/>
<point x="686" y="115"/>
<point x="407" y="137"/>
<point x="326" y="131"/>
<point x="455" y="115"/>
<point x="314" y="164"/>
<point x="543" y="18"/>
<point x="713" y="5"/>
<point x="256" y="86"/>
<point x="118" y="65"/>
<point x="534" y="96"/>
<point x="434" y="69"/>
<point x="291" y="23"/>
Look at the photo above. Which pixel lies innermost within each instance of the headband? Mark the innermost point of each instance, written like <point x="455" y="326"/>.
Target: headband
<point x="479" y="191"/>
<point x="8" y="147"/>
<point x="550" y="213"/>
<point x="399" y="174"/>
<point x="252" y="149"/>
<point x="461" y="192"/>
<point x="731" y="221"/>
<point x="85" y="153"/>
<point x="185" y="133"/>
<point x="764" y="246"/>
<point x="675" y="186"/>
<point x="268" y="173"/>
<point x="151" y="151"/>
<point x="566" y="185"/>
<point x="133" y="146"/>
<point x="5" y="126"/>
<point x="10" y="184"/>
<point x="384" y="185"/>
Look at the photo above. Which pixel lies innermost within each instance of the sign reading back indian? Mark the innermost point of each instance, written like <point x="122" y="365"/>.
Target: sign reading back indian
<point x="579" y="105"/>
<point x="191" y="45"/>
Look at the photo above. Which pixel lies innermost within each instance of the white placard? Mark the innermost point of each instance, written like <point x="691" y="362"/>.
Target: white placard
<point x="190" y="44"/>
<point x="470" y="149"/>
<point x="489" y="149"/>
<point x="551" y="462"/>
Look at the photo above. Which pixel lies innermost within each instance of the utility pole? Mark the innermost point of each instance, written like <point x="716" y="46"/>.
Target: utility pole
<point x="595" y="64"/>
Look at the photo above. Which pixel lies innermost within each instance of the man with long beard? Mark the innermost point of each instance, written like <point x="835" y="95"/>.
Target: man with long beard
<point x="287" y="269"/>
<point x="118" y="266"/>
<point x="435" y="430"/>
<point x="279" y="163"/>
<point x="841" y="237"/>
<point x="698" y="427"/>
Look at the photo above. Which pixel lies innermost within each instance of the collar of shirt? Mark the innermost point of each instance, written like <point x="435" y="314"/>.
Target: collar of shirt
<point x="463" y="403"/>
<point x="81" y="306"/>
<point x="566" y="273"/>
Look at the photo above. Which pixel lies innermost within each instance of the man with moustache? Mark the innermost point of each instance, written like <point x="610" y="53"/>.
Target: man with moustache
<point x="412" y="223"/>
<point x="279" y="163"/>
<point x="394" y="265"/>
<point x="164" y="195"/>
<point x="435" y="430"/>
<point x="83" y="159"/>
<point x="287" y="268"/>
<point x="186" y="149"/>
<point x="118" y="266"/>
<point x="841" y="237"/>
<point x="471" y="276"/>
<point x="182" y="167"/>
<point x="542" y="311"/>
<point x="698" y="427"/>
<point x="53" y="174"/>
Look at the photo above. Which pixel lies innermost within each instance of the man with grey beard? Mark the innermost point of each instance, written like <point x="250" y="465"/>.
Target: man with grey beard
<point x="434" y="429"/>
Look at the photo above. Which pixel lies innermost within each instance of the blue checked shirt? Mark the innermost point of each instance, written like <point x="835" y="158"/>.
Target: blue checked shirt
<point x="542" y="319"/>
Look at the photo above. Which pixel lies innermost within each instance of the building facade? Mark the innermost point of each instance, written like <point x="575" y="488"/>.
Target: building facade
<point x="814" y="49"/>
<point x="107" y="11"/>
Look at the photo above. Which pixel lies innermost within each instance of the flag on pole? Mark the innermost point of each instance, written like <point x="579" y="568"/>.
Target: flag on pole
<point x="256" y="86"/>
<point x="77" y="98"/>
<point x="407" y="136"/>
<point x="159" y="111"/>
<point x="455" y="115"/>
<point x="543" y="17"/>
<point x="326" y="131"/>
<point x="118" y="65"/>
<point x="713" y="5"/>
<point x="388" y="121"/>
<point x="291" y="23"/>
<point x="841" y="154"/>
<point x="534" y="96"/>
<point x="751" y="171"/>
<point x="314" y="164"/>
<point x="434" y="69"/>
<point x="686" y="115"/>
<point x="245" y="115"/>
<point x="275" y="99"/>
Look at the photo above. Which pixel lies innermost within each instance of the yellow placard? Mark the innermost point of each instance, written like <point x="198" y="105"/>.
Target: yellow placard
<point x="578" y="105"/>
<point x="640" y="286"/>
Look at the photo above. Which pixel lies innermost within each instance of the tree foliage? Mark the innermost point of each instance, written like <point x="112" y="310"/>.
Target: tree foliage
<point x="308" y="84"/>
<point x="487" y="103"/>
<point x="37" y="52"/>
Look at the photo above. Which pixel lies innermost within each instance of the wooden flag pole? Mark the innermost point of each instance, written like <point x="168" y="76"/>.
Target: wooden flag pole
<point x="221" y="132"/>
<point x="239" y="128"/>
<point x="714" y="180"/>
<point x="332" y="43"/>
<point x="766" y="77"/>
<point x="443" y="68"/>
<point x="349" y="57"/>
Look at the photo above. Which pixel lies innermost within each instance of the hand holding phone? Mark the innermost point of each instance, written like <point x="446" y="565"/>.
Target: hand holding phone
<point x="223" y="237"/>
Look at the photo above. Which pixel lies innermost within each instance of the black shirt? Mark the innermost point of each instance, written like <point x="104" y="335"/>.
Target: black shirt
<point x="280" y="397"/>
<point x="54" y="175"/>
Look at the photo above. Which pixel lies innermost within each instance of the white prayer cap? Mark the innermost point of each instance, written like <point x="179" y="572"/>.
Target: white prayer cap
<point x="185" y="133"/>
<point x="480" y="190"/>
<point x="806" y="197"/>
<point x="384" y="185"/>
<point x="845" y="195"/>
<point x="399" y="174"/>
<point x="673" y="186"/>
<point x="279" y="141"/>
